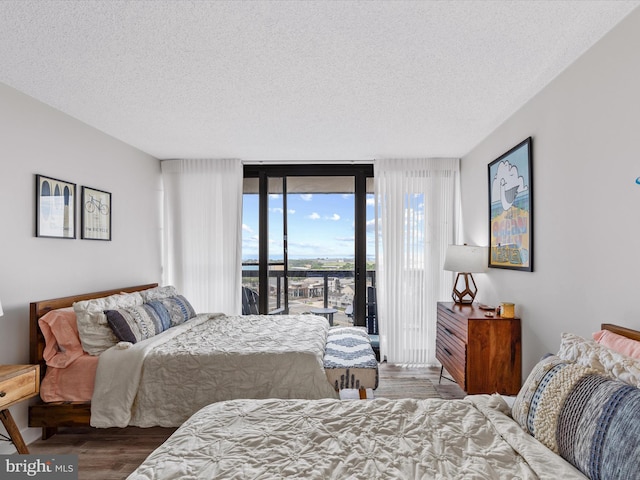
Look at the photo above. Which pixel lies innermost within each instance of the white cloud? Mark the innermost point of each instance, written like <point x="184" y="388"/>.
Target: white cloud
<point x="335" y="217"/>
<point x="305" y="245"/>
<point x="306" y="197"/>
<point x="314" y="216"/>
<point x="281" y="210"/>
<point x="250" y="245"/>
<point x="246" y="228"/>
<point x="371" y="202"/>
<point x="371" y="225"/>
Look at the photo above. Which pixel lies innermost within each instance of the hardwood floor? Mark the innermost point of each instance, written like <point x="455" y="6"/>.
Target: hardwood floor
<point x="113" y="453"/>
<point x="415" y="382"/>
<point x="104" y="454"/>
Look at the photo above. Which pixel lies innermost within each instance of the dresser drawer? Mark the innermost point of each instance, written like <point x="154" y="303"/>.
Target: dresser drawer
<point x="453" y="324"/>
<point x="451" y="335"/>
<point x="452" y="353"/>
<point x="18" y="387"/>
<point x="452" y="364"/>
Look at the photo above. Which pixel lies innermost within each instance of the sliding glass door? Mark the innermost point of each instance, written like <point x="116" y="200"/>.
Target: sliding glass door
<point x="305" y="239"/>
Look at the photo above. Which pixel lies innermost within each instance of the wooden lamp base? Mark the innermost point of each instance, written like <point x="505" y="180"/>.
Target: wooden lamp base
<point x="464" y="289"/>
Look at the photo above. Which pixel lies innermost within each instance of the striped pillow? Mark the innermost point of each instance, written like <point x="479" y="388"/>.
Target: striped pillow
<point x="524" y="407"/>
<point x="179" y="308"/>
<point x="592" y="421"/>
<point x="138" y="323"/>
<point x="539" y="401"/>
<point x="599" y="426"/>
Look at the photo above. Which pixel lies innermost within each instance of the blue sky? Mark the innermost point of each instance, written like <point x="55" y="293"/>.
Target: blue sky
<point x="319" y="225"/>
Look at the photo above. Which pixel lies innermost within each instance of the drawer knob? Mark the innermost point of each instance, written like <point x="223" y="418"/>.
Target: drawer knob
<point x="2" y="394"/>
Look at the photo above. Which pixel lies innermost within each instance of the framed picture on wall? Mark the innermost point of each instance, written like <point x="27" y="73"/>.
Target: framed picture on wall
<point x="511" y="209"/>
<point x="96" y="214"/>
<point x="55" y="208"/>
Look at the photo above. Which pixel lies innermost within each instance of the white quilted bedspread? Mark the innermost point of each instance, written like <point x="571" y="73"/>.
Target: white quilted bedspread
<point x="353" y="439"/>
<point x="165" y="379"/>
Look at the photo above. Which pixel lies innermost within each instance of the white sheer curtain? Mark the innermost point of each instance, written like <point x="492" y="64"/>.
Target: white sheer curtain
<point x="418" y="214"/>
<point x="203" y="232"/>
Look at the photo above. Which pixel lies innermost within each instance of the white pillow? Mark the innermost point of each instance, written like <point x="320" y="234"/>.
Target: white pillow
<point x="158" y="293"/>
<point x="95" y="334"/>
<point x="592" y="354"/>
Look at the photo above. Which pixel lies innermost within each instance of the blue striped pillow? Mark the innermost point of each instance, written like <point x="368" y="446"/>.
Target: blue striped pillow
<point x="590" y="420"/>
<point x="179" y="308"/>
<point x="138" y="323"/>
<point x="598" y="428"/>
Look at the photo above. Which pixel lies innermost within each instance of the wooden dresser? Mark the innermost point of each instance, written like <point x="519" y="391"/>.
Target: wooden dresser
<point x="482" y="354"/>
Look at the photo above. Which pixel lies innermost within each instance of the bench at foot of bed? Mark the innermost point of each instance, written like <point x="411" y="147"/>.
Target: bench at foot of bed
<point x="349" y="360"/>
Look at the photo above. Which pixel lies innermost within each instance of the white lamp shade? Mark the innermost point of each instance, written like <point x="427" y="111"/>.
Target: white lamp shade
<point x="466" y="258"/>
<point x="1" y="312"/>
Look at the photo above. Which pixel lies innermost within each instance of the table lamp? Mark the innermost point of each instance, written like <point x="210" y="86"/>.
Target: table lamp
<point x="465" y="260"/>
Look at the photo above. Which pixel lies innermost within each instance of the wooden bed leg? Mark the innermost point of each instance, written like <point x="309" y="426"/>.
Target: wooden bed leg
<point x="48" y="432"/>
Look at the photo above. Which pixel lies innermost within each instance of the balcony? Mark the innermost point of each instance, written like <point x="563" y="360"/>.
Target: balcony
<point x="310" y="289"/>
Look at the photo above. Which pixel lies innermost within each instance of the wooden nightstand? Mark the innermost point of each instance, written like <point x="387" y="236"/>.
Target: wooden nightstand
<point x="17" y="383"/>
<point x="481" y="353"/>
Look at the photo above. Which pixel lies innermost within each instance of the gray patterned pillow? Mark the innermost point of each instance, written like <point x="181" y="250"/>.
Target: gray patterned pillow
<point x="180" y="310"/>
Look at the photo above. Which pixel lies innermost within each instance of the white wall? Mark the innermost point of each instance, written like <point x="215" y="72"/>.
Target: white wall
<point x="586" y="158"/>
<point x="37" y="139"/>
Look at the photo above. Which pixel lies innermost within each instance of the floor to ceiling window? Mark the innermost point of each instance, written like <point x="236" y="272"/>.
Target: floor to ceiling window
<point x="308" y="238"/>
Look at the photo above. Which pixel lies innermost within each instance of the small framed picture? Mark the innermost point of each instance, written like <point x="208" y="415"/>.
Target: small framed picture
<point x="96" y="214"/>
<point x="511" y="209"/>
<point x="55" y="208"/>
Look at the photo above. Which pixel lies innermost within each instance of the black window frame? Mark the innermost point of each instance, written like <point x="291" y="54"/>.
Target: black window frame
<point x="360" y="172"/>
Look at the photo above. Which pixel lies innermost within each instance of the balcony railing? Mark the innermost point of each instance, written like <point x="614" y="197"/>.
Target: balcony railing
<point x="332" y="289"/>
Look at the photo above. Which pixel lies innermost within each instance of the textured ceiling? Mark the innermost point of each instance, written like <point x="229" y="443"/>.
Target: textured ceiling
<point x="295" y="80"/>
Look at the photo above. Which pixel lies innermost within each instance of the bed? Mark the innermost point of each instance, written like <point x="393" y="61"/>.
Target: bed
<point x="577" y="416"/>
<point x="175" y="361"/>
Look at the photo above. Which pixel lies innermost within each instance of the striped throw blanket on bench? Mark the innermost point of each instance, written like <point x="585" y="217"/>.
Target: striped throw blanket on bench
<point x="349" y="360"/>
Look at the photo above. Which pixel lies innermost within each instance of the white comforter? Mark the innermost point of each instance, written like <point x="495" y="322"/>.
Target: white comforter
<point x="163" y="380"/>
<point x="376" y="439"/>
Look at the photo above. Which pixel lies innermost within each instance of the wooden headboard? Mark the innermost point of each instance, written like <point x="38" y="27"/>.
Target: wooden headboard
<point x="625" y="332"/>
<point x="38" y="309"/>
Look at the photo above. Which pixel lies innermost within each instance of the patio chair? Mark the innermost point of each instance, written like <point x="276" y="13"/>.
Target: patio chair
<point x="372" y="321"/>
<point x="250" y="303"/>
